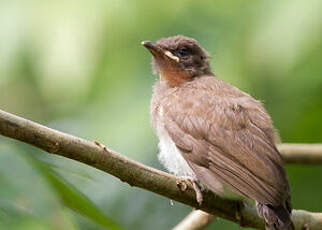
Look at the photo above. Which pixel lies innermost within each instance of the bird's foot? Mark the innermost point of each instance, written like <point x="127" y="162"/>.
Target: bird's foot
<point x="198" y="192"/>
<point x="181" y="183"/>
<point x="103" y="147"/>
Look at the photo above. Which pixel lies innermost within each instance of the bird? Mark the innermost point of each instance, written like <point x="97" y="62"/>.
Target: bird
<point x="215" y="134"/>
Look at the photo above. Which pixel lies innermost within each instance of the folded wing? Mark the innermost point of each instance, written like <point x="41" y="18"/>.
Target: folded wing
<point x="229" y="139"/>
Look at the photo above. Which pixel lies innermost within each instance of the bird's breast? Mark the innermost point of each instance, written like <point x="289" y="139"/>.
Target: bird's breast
<point x="169" y="155"/>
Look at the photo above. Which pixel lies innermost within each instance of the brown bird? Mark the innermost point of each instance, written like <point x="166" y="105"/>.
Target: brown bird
<point x="214" y="133"/>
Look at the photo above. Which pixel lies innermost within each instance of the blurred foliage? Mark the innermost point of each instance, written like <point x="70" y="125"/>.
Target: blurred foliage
<point x="78" y="66"/>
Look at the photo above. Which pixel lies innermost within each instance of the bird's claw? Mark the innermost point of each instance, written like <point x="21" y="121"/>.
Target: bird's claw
<point x="198" y="192"/>
<point x="182" y="185"/>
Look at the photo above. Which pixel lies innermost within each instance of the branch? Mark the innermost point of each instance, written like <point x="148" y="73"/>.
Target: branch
<point x="301" y="153"/>
<point x="196" y="220"/>
<point x="137" y="174"/>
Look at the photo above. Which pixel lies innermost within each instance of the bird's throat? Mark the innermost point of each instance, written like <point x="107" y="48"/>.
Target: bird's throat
<point x="174" y="78"/>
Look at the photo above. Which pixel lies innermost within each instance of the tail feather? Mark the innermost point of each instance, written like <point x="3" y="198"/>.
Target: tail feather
<point x="276" y="218"/>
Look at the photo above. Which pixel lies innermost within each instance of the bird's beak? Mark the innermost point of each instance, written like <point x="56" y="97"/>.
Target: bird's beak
<point x="158" y="52"/>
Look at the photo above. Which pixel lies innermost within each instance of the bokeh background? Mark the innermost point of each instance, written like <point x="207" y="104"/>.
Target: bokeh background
<point x="78" y="66"/>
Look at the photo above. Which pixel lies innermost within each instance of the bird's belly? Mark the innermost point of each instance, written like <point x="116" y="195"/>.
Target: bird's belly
<point x="170" y="157"/>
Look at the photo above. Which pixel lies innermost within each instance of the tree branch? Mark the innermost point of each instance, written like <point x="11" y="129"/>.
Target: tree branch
<point x="196" y="220"/>
<point x="137" y="174"/>
<point x="301" y="153"/>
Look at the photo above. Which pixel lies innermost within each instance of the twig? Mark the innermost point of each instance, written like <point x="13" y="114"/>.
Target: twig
<point x="301" y="153"/>
<point x="137" y="174"/>
<point x="196" y="220"/>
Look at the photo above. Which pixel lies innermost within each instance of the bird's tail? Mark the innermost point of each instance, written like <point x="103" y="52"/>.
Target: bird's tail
<point x="276" y="218"/>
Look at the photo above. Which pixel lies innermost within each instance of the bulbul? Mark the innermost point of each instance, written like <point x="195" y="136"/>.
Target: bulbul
<point x="214" y="133"/>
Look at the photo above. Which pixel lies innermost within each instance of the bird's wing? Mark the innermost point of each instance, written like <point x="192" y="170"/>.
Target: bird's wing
<point x="227" y="138"/>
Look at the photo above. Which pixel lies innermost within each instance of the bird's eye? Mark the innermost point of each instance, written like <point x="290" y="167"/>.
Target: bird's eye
<point x="184" y="51"/>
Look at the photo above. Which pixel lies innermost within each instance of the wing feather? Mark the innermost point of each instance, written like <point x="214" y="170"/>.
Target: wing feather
<point x="229" y="139"/>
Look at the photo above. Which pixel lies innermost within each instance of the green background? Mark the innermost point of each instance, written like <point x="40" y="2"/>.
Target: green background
<point x="78" y="66"/>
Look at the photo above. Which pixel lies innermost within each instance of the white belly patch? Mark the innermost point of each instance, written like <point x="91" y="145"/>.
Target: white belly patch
<point x="170" y="156"/>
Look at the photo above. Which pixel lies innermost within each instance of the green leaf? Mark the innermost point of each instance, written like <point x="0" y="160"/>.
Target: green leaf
<point x="73" y="198"/>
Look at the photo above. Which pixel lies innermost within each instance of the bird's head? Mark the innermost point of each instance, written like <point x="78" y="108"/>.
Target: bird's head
<point x="178" y="59"/>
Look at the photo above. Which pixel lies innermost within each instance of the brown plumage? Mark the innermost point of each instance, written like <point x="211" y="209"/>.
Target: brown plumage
<point x="215" y="133"/>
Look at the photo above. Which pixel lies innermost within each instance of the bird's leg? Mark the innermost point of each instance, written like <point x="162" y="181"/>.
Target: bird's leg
<point x="198" y="192"/>
<point x="183" y="186"/>
<point x="103" y="147"/>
